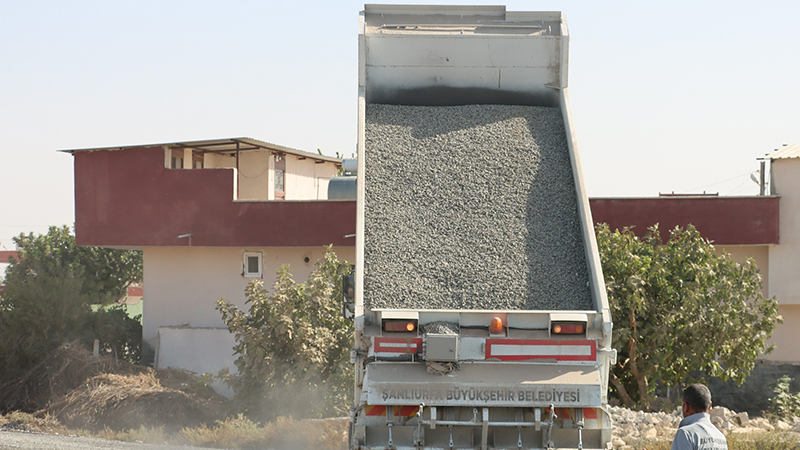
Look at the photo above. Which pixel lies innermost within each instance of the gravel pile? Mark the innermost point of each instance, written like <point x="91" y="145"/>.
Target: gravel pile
<point x="471" y="207"/>
<point x="635" y="429"/>
<point x="440" y="327"/>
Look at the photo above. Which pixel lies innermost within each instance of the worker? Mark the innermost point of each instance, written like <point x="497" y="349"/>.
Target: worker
<point x="696" y="431"/>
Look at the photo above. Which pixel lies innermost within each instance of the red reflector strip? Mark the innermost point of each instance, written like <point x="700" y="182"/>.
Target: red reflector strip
<point x="400" y="411"/>
<point x="588" y="413"/>
<point x="375" y="410"/>
<point x="524" y="349"/>
<point x="396" y="345"/>
<point x="406" y="411"/>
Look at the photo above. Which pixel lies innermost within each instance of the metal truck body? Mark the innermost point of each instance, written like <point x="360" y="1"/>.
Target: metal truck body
<point x="505" y="378"/>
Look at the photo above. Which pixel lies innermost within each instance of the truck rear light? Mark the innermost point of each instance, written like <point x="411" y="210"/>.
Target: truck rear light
<point x="568" y="328"/>
<point x="404" y="326"/>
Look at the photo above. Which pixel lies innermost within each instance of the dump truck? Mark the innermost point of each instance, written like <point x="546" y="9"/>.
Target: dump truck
<point x="481" y="318"/>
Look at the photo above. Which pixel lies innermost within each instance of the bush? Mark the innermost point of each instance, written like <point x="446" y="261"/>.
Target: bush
<point x="784" y="405"/>
<point x="682" y="312"/>
<point x="293" y="345"/>
<point x="49" y="295"/>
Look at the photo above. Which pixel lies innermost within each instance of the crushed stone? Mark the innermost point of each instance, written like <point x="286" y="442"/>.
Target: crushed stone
<point x="471" y="207"/>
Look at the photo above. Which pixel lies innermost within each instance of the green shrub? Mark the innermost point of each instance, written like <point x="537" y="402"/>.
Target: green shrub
<point x="50" y="295"/>
<point x="293" y="345"/>
<point x="784" y="405"/>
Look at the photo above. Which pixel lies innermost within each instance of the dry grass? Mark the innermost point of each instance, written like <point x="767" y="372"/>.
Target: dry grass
<point x="240" y="432"/>
<point x="769" y="440"/>
<point x="24" y="421"/>
<point x="327" y="434"/>
<point x="62" y="371"/>
<point x="73" y="392"/>
<point x="120" y="402"/>
<point x="142" y="434"/>
<point x="98" y="393"/>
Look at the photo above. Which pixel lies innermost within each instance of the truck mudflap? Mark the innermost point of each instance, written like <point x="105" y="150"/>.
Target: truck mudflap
<point x="484" y="384"/>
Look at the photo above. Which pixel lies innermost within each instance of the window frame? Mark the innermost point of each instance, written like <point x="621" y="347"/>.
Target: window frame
<point x="246" y="266"/>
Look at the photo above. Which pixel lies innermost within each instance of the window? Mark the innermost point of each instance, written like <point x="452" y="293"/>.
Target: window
<point x="177" y="159"/>
<point x="253" y="266"/>
<point x="197" y="160"/>
<point x="280" y="172"/>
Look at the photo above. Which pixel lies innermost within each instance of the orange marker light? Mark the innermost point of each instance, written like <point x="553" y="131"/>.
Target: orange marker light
<point x="496" y="326"/>
<point x="410" y="326"/>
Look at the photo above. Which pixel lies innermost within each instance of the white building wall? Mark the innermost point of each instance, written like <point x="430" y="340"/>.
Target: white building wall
<point x="785" y="335"/>
<point x="784" y="259"/>
<point x="200" y="350"/>
<point x="182" y="285"/>
<point x="218" y="161"/>
<point x="254" y="176"/>
<point x="307" y="180"/>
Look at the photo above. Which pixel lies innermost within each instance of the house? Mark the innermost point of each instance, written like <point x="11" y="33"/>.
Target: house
<point x="209" y="217"/>
<point x="765" y="228"/>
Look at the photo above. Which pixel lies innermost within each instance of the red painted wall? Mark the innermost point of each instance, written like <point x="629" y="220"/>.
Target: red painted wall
<point x="5" y="254"/>
<point x="723" y="220"/>
<point x="127" y="198"/>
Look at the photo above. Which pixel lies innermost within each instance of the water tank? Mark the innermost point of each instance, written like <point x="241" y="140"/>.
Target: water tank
<point x="342" y="188"/>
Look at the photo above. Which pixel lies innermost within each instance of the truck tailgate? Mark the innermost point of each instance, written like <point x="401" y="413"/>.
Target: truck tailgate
<point x="485" y="384"/>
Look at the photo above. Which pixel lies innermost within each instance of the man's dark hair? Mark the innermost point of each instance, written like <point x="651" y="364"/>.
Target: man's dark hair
<point x="698" y="397"/>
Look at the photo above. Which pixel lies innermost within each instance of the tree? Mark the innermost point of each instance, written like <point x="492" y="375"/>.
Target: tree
<point x="48" y="298"/>
<point x="293" y="344"/>
<point x="682" y="313"/>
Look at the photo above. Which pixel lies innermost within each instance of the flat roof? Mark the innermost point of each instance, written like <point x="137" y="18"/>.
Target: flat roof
<point x="225" y="145"/>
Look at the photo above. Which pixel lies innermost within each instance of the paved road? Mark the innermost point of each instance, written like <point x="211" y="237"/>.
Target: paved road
<point x="14" y="440"/>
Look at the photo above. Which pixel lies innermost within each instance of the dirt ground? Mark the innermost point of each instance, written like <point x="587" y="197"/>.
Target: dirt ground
<point x="94" y="393"/>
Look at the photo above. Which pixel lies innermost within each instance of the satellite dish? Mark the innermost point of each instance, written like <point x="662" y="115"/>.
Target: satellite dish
<point x="755" y="178"/>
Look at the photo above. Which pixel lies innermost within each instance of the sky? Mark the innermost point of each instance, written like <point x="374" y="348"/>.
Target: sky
<point x="678" y="96"/>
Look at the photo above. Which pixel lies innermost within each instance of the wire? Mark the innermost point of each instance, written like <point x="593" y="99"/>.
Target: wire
<point x="737" y="187"/>
<point x="720" y="182"/>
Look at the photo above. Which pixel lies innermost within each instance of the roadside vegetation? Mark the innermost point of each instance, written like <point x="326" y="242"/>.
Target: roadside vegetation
<point x="236" y="432"/>
<point x="682" y="313"/>
<point x="293" y="345"/>
<point x="773" y="440"/>
<point x="48" y="298"/>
